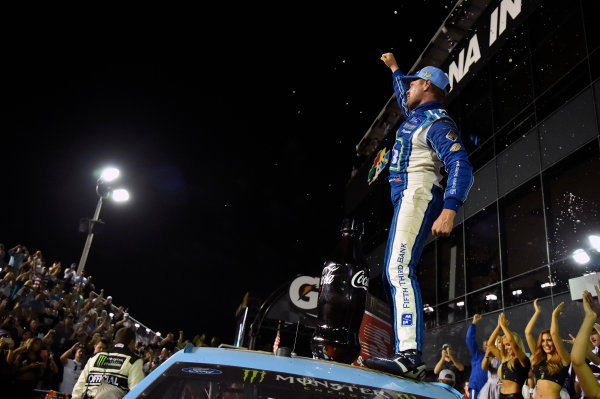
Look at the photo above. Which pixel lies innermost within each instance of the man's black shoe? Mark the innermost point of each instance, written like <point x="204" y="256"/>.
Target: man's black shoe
<point x="405" y="364"/>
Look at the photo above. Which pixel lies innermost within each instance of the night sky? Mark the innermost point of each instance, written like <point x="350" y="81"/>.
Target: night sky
<point x="235" y="133"/>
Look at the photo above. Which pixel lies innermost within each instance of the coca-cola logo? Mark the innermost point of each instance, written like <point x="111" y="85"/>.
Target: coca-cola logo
<point x="328" y="276"/>
<point x="360" y="280"/>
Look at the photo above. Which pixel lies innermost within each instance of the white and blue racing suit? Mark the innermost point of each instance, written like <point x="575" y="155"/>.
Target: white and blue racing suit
<point x="427" y="140"/>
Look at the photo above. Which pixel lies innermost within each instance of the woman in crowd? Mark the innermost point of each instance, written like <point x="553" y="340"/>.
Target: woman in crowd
<point x="491" y="389"/>
<point x="550" y="359"/>
<point x="29" y="367"/>
<point x="515" y="364"/>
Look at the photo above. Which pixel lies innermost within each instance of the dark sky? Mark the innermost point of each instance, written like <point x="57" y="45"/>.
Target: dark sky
<point x="234" y="131"/>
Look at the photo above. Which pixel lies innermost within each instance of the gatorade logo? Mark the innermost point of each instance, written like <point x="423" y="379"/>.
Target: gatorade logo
<point x="251" y="376"/>
<point x="304" y="292"/>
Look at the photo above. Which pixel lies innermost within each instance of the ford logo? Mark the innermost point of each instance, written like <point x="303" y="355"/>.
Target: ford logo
<point x="200" y="370"/>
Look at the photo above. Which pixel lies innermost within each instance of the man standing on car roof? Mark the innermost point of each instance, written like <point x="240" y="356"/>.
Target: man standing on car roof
<point x="427" y="140"/>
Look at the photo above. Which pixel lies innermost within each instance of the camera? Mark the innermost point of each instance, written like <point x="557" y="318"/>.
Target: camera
<point x="445" y="346"/>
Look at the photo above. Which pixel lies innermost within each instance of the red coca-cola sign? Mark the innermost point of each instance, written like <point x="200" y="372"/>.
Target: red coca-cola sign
<point x="376" y="334"/>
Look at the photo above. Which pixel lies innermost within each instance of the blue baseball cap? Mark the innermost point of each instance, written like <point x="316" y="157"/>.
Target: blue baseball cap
<point x="434" y="74"/>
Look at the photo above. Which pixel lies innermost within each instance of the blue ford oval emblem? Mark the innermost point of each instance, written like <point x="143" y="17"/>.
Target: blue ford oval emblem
<point x="200" y="370"/>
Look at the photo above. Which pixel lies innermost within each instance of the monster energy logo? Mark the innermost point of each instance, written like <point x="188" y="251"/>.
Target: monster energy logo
<point x="101" y="360"/>
<point x="251" y="375"/>
<point x="109" y="362"/>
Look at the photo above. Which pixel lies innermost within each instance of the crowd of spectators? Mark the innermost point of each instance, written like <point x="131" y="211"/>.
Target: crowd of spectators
<point x="52" y="320"/>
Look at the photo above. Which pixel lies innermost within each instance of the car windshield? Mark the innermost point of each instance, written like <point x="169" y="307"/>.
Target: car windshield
<point x="215" y="381"/>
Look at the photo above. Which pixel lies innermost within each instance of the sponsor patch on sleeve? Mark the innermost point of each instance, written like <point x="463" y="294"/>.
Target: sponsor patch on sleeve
<point x="451" y="136"/>
<point x="455" y="147"/>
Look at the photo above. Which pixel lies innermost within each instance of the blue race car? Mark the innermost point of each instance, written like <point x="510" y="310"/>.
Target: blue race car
<point x="227" y="373"/>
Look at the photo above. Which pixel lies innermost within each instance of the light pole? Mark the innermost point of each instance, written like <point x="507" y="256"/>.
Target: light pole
<point x="104" y="190"/>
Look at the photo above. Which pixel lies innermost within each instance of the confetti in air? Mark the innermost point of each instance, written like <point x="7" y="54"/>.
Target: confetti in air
<point x="570" y="220"/>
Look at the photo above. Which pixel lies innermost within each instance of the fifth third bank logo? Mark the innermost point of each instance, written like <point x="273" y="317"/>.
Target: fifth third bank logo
<point x="407" y="319"/>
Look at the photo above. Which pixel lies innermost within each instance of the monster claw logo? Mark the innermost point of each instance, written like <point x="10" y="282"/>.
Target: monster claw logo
<point x="101" y="359"/>
<point x="250" y="375"/>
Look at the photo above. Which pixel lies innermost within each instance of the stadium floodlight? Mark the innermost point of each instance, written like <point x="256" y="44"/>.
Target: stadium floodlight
<point x="104" y="190"/>
<point x="595" y="242"/>
<point x="120" y="195"/>
<point x="109" y="174"/>
<point x="581" y="256"/>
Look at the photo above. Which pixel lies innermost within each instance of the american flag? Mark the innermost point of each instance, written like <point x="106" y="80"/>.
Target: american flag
<point x="277" y="338"/>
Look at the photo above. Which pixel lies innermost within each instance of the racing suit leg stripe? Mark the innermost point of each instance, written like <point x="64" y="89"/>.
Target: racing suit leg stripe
<point x="433" y="210"/>
<point x="391" y="282"/>
<point x="387" y="285"/>
<point x="412" y="222"/>
<point x="409" y="219"/>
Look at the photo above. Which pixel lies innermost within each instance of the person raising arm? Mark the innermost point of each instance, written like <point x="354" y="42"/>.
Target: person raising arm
<point x="587" y="380"/>
<point x="515" y="365"/>
<point x="550" y="360"/>
<point x="529" y="337"/>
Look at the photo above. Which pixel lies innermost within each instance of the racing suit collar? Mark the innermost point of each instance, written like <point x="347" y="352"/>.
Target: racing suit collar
<point x="428" y="105"/>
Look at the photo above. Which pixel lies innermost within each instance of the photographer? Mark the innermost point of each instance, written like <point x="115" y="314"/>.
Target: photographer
<point x="449" y="362"/>
<point x="72" y="361"/>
